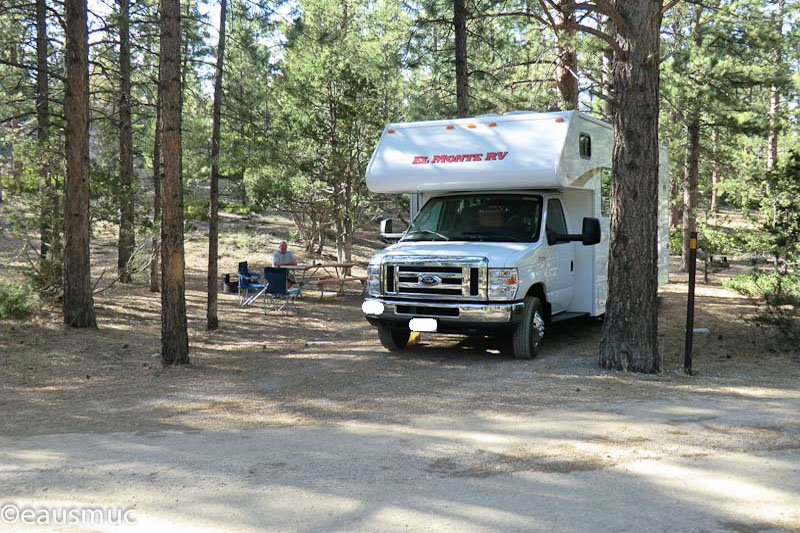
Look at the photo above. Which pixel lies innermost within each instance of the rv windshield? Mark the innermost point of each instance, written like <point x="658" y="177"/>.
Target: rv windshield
<point x="478" y="217"/>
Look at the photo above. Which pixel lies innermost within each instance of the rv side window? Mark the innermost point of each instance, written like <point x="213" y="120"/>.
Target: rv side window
<point x="605" y="192"/>
<point x="556" y="224"/>
<point x="585" y="145"/>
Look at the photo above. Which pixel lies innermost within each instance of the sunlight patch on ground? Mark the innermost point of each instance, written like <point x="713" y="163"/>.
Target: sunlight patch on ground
<point x="721" y="490"/>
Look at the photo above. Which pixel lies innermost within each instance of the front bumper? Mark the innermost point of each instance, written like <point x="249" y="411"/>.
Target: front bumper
<point x="452" y="316"/>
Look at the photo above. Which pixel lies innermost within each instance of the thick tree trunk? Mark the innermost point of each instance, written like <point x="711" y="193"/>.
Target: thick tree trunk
<point x="213" y="218"/>
<point x="566" y="59"/>
<point x="174" y="335"/>
<point x="127" y="235"/>
<point x="715" y="178"/>
<point x="78" y="302"/>
<point x="630" y="340"/>
<point x="46" y="229"/>
<point x="154" y="285"/>
<point x="690" y="169"/>
<point x="462" y="72"/>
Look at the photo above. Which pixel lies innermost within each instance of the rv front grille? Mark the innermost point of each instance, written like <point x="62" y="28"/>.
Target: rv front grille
<point x="437" y="278"/>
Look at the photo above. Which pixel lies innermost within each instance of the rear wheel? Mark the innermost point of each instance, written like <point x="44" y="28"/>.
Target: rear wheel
<point x="528" y="334"/>
<point x="394" y="339"/>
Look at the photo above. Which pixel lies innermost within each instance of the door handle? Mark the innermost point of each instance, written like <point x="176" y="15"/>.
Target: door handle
<point x="571" y="265"/>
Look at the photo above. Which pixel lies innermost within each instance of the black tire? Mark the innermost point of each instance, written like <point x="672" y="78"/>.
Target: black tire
<point x="529" y="333"/>
<point x="394" y="339"/>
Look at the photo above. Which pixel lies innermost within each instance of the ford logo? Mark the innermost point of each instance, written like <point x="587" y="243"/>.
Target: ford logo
<point x="429" y="280"/>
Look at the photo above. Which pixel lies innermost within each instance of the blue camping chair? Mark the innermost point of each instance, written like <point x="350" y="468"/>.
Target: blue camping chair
<point x="278" y="297"/>
<point x="249" y="290"/>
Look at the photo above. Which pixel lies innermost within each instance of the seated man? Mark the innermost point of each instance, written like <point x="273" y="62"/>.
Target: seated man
<point x="282" y="257"/>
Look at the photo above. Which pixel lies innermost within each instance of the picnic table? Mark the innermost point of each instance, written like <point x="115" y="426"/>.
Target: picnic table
<point x="324" y="275"/>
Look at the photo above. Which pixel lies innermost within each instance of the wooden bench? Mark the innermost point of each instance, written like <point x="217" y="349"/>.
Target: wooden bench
<point x="325" y="282"/>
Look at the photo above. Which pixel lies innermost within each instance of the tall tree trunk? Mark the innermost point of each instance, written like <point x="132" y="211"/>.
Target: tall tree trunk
<point x="630" y="329"/>
<point x="690" y="169"/>
<point x="42" y="134"/>
<point x="127" y="234"/>
<point x="566" y="58"/>
<point x="772" y="135"/>
<point x="174" y="335"/>
<point x="607" y="75"/>
<point x="462" y="72"/>
<point x="78" y="301"/>
<point x="715" y="178"/>
<point x="154" y="285"/>
<point x="775" y="100"/>
<point x="213" y="218"/>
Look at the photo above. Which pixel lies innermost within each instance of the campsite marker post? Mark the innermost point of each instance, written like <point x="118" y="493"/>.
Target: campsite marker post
<point x="687" y="358"/>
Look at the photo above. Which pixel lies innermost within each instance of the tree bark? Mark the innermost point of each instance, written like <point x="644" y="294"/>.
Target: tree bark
<point x="690" y="170"/>
<point x="630" y="329"/>
<point x="174" y="335"/>
<point x="127" y="234"/>
<point x="607" y="75"/>
<point x="775" y="101"/>
<point x="462" y="72"/>
<point x="46" y="229"/>
<point x="154" y="285"/>
<point x="566" y="59"/>
<point x="212" y="321"/>
<point x="78" y="301"/>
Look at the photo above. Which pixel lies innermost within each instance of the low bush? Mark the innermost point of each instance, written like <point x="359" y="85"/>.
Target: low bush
<point x="196" y="209"/>
<point x="781" y="296"/>
<point x="17" y="300"/>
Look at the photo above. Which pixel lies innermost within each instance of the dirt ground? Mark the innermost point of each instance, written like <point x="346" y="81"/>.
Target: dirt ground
<point x="304" y="423"/>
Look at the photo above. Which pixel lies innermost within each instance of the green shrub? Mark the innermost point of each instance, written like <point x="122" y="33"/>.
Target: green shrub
<point x="783" y="289"/>
<point x="196" y="209"/>
<point x="17" y="300"/>
<point x="781" y="296"/>
<point x="675" y="241"/>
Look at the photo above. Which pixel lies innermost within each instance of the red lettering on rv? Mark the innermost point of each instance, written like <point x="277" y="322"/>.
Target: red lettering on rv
<point x="459" y="158"/>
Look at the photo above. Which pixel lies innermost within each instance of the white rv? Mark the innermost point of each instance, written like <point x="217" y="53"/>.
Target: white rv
<point x="509" y="228"/>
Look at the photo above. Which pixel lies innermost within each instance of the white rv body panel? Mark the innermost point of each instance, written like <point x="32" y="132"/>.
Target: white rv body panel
<point x="521" y="151"/>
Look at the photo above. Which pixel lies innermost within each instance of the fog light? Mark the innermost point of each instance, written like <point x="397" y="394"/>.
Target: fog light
<point x="372" y="307"/>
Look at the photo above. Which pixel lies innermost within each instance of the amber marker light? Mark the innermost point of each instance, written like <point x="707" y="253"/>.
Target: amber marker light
<point x="389" y="131"/>
<point x="470" y="125"/>
<point x="450" y="127"/>
<point x="492" y="124"/>
<point x="560" y="119"/>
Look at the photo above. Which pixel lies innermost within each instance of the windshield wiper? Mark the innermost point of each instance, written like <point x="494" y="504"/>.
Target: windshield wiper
<point x="429" y="231"/>
<point x="488" y="237"/>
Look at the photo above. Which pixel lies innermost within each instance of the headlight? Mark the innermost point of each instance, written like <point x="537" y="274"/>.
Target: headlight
<point x="374" y="280"/>
<point x="503" y="283"/>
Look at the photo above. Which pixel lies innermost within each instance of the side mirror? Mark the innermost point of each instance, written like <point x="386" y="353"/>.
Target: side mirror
<point x="386" y="233"/>
<point x="589" y="236"/>
<point x="591" y="231"/>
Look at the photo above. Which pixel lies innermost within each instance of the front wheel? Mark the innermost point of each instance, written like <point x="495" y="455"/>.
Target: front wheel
<point x="394" y="339"/>
<point x="528" y="334"/>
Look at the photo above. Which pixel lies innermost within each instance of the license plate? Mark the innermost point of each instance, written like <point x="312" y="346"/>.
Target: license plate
<point x="423" y="325"/>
